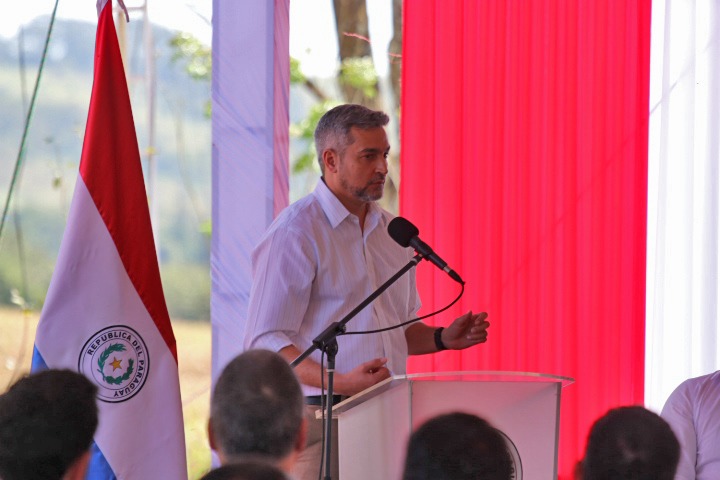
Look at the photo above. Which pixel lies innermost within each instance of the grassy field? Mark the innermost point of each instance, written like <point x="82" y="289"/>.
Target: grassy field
<point x="17" y="334"/>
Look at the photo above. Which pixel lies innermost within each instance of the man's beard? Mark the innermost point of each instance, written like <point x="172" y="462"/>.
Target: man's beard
<point x="366" y="193"/>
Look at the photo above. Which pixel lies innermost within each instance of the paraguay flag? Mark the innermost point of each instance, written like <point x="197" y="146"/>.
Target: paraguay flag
<point x="105" y="313"/>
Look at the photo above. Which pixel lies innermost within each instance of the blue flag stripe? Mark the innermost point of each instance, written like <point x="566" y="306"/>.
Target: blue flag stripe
<point x="99" y="468"/>
<point x="38" y="362"/>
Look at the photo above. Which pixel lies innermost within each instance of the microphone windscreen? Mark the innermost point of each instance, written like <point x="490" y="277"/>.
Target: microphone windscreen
<point x="402" y="231"/>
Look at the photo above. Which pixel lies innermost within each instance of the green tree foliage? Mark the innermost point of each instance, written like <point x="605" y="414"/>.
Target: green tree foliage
<point x="359" y="73"/>
<point x="196" y="58"/>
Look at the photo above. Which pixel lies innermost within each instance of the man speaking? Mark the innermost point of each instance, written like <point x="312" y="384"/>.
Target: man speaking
<point x="323" y="256"/>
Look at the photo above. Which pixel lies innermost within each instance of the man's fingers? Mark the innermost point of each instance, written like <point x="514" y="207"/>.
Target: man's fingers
<point x="481" y="327"/>
<point x="477" y="332"/>
<point x="480" y="317"/>
<point x="374" y="364"/>
<point x="477" y="318"/>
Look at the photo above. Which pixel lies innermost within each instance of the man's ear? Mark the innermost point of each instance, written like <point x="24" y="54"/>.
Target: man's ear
<point x="78" y="469"/>
<point x="330" y="160"/>
<point x="211" y="436"/>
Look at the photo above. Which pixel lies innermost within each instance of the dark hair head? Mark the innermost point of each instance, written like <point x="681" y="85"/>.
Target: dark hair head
<point x="257" y="406"/>
<point x="333" y="129"/>
<point x="631" y="443"/>
<point x="246" y="469"/>
<point x="457" y="446"/>
<point x="47" y="421"/>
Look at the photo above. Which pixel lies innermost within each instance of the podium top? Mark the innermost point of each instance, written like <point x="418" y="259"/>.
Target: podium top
<point x="464" y="376"/>
<point x="485" y="376"/>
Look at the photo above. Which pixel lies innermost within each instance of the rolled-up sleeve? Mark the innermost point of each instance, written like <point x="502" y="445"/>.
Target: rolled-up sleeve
<point x="284" y="266"/>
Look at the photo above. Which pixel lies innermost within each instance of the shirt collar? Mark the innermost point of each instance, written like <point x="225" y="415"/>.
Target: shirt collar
<point x="336" y="212"/>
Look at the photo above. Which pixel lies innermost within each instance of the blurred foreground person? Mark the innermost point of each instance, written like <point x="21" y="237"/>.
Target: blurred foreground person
<point x="257" y="410"/>
<point x="457" y="446"/>
<point x="630" y="443"/>
<point x="47" y="423"/>
<point x="249" y="469"/>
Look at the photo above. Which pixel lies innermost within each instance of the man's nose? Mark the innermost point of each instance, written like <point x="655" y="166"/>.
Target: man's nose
<point x="382" y="166"/>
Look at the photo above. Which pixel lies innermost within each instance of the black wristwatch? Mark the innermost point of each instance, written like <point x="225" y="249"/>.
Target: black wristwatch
<point x="438" y="339"/>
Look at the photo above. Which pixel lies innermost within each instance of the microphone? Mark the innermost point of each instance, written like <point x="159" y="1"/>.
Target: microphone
<point x="406" y="234"/>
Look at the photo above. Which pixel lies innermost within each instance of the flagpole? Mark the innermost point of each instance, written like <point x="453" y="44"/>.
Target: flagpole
<point x="150" y="87"/>
<point x="150" y="152"/>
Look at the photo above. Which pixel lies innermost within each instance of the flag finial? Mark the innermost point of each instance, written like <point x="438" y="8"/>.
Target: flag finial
<point x="101" y="4"/>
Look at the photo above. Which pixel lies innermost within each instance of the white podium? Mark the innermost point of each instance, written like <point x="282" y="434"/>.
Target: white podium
<point x="375" y="425"/>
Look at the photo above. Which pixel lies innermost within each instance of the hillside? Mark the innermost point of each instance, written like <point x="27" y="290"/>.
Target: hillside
<point x="33" y="231"/>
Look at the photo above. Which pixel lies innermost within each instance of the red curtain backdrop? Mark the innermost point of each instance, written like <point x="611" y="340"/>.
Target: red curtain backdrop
<point x="524" y="164"/>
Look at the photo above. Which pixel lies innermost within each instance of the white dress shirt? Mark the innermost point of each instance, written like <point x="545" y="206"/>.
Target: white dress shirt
<point x="313" y="266"/>
<point x="693" y="412"/>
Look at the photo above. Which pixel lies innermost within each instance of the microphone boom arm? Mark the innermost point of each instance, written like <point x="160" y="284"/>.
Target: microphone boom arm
<point x="327" y="342"/>
<point x="338" y="328"/>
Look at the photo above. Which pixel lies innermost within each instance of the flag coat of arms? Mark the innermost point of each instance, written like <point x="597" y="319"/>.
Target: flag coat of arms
<point x="105" y="313"/>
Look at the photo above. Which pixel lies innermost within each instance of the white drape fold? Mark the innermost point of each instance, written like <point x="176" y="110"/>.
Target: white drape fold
<point x="684" y="146"/>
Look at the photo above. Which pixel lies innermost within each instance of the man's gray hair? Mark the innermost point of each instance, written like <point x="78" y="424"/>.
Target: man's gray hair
<point x="257" y="406"/>
<point x="333" y="129"/>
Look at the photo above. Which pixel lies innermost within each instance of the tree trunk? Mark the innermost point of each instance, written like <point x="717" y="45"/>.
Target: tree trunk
<point x="353" y="34"/>
<point x="395" y="54"/>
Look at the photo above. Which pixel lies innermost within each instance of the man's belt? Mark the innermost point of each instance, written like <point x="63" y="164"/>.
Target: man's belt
<point x="317" y="399"/>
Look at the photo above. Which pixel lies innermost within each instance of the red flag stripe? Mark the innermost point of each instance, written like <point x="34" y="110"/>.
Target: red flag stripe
<point x="118" y="189"/>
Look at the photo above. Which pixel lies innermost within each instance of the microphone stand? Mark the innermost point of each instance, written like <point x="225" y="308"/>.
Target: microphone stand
<point x="327" y="342"/>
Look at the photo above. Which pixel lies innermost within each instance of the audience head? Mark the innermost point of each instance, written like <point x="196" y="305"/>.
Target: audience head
<point x="457" y="446"/>
<point x="247" y="469"/>
<point x="333" y="129"/>
<point x="630" y="443"/>
<point x="47" y="423"/>
<point x="257" y="409"/>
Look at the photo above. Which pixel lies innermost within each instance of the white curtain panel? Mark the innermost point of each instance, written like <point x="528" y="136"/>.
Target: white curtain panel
<point x="684" y="139"/>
